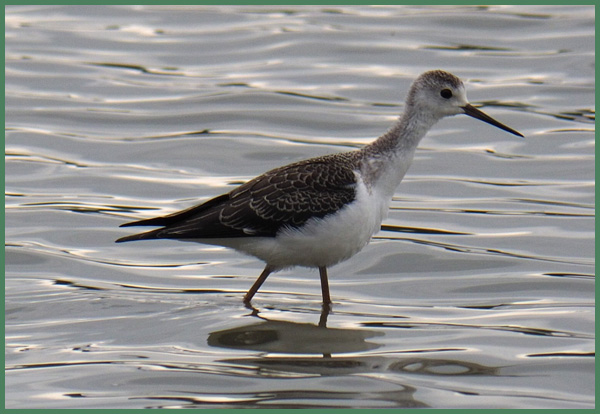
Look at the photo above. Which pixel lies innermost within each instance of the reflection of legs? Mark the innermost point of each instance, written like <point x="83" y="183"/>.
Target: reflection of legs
<point x="261" y="279"/>
<point x="324" y="284"/>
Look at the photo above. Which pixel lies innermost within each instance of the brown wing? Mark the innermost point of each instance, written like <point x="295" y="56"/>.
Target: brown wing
<point x="287" y="196"/>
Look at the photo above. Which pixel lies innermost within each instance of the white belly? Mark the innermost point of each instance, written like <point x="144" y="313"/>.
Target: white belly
<point x="320" y="242"/>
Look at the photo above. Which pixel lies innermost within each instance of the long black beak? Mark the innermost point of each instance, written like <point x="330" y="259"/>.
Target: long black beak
<point x="476" y="113"/>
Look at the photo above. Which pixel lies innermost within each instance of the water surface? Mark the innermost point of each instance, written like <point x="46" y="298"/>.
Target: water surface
<point x="477" y="293"/>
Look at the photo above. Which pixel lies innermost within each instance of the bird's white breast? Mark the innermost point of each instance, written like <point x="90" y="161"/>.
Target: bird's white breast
<point x="322" y="241"/>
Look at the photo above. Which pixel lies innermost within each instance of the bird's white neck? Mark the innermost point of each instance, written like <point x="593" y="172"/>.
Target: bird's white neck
<point x="387" y="159"/>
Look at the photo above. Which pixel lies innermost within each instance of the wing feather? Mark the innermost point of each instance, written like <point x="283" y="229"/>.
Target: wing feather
<point x="284" y="197"/>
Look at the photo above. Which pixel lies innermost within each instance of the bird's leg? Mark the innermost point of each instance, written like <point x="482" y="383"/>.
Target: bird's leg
<point x="325" y="310"/>
<point x="324" y="285"/>
<point x="261" y="279"/>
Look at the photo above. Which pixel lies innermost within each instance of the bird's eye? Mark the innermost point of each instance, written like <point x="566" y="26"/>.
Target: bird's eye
<point x="446" y="93"/>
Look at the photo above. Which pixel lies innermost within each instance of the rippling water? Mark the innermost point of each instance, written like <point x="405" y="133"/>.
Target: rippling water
<point x="477" y="293"/>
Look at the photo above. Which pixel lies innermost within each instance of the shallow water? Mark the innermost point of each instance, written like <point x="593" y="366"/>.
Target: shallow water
<point x="477" y="293"/>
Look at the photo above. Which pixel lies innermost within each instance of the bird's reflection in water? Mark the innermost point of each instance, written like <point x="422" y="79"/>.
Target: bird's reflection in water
<point x="275" y="336"/>
<point x="310" y="350"/>
<point x="284" y="337"/>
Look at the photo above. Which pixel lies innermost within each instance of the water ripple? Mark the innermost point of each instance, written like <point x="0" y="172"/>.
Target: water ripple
<point x="478" y="292"/>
